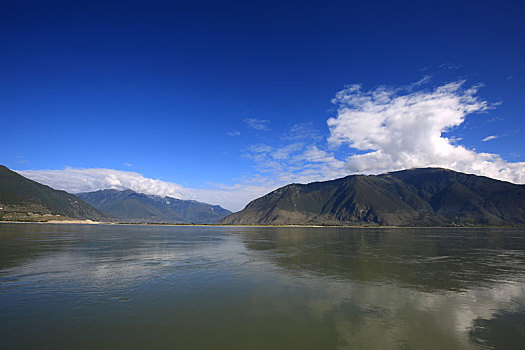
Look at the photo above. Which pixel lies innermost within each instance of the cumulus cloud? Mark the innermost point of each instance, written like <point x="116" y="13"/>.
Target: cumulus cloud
<point x="385" y="130"/>
<point x="74" y="180"/>
<point x="392" y="130"/>
<point x="373" y="132"/>
<point x="257" y="124"/>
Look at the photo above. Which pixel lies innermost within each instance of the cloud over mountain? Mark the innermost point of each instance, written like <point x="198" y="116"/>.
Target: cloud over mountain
<point x="74" y="180"/>
<point x="376" y="131"/>
<point x="87" y="180"/>
<point x="394" y="129"/>
<point x="382" y="130"/>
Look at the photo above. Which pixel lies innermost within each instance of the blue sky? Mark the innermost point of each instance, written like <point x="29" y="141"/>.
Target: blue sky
<point x="224" y="101"/>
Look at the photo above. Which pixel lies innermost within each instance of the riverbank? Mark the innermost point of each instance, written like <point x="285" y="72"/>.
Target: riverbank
<point x="91" y="222"/>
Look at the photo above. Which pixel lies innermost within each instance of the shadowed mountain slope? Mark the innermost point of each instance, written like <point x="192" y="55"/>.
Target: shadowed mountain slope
<point x="24" y="199"/>
<point x="131" y="206"/>
<point x="415" y="197"/>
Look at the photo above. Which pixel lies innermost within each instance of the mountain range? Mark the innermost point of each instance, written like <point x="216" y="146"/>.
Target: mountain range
<point x="133" y="207"/>
<point x="22" y="199"/>
<point x="414" y="197"/>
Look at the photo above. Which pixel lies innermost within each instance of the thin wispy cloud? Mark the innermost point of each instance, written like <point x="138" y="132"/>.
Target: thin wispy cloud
<point x="260" y="148"/>
<point x="495" y="119"/>
<point x="422" y="81"/>
<point x="20" y="159"/>
<point x="491" y="137"/>
<point x="302" y="132"/>
<point x="450" y="66"/>
<point x="233" y="133"/>
<point x="298" y="155"/>
<point x="257" y="124"/>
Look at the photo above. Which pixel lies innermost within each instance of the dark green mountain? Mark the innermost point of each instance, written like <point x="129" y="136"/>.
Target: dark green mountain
<point x="130" y="206"/>
<point x="415" y="197"/>
<point x="27" y="200"/>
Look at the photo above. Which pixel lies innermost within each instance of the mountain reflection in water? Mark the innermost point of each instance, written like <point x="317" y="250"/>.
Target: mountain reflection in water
<point x="81" y="286"/>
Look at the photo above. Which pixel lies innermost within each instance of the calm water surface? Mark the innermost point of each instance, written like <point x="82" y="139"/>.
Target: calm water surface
<point x="155" y="287"/>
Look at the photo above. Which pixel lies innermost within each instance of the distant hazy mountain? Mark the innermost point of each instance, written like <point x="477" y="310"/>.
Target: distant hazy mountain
<point x="415" y="197"/>
<point x="27" y="200"/>
<point x="130" y="206"/>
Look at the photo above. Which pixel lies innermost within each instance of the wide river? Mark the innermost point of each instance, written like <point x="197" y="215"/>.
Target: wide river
<point x="160" y="287"/>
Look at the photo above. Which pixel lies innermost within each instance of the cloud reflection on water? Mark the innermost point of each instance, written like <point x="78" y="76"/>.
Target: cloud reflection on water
<point x="346" y="288"/>
<point x="404" y="282"/>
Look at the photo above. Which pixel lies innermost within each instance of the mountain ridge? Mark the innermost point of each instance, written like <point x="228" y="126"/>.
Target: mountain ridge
<point x="135" y="207"/>
<point x="22" y="199"/>
<point x="413" y="197"/>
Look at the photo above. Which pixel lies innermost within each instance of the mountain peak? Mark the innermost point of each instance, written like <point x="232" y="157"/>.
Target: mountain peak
<point x="131" y="206"/>
<point x="24" y="199"/>
<point x="412" y="197"/>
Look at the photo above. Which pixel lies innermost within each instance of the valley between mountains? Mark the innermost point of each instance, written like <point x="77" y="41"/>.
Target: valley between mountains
<point x="413" y="197"/>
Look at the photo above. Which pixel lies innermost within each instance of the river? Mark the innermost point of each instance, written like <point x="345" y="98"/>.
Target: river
<point x="182" y="287"/>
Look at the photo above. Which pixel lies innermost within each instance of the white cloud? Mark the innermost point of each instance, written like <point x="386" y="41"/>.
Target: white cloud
<point x="302" y="132"/>
<point x="398" y="131"/>
<point x="449" y="66"/>
<point x="491" y="137"/>
<point x="295" y="162"/>
<point x="260" y="148"/>
<point x="385" y="130"/>
<point x="285" y="152"/>
<point x="315" y="155"/>
<point x="75" y="180"/>
<point x="257" y="124"/>
<point x="422" y="81"/>
<point x="495" y="119"/>
<point x="85" y="180"/>
<point x="233" y="133"/>
<point x="295" y="156"/>
<point x="373" y="132"/>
